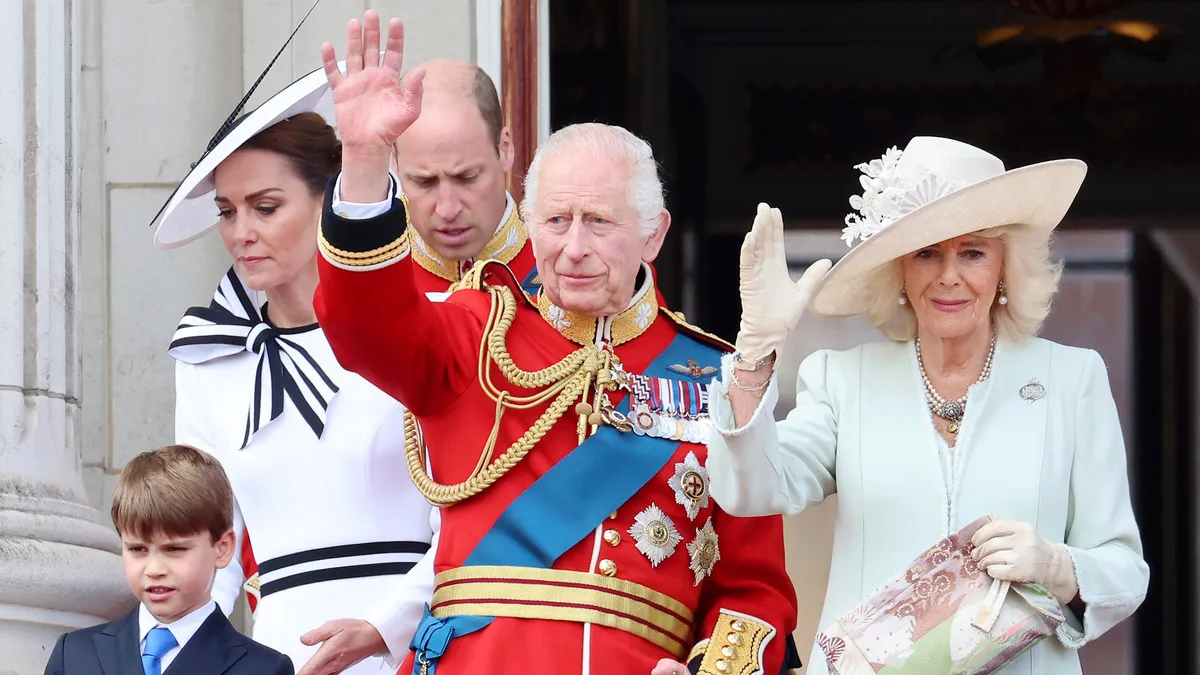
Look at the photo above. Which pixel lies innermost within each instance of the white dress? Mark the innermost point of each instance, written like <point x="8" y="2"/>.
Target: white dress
<point x="861" y="428"/>
<point x="335" y="520"/>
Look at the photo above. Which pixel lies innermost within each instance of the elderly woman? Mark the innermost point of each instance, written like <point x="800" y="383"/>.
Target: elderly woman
<point x="963" y="413"/>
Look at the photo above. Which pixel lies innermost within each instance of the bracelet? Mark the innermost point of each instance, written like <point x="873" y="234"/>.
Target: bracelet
<point x="740" y="362"/>
<point x="758" y="390"/>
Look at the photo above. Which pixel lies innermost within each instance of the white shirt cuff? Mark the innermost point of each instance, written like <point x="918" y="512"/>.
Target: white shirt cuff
<point x="359" y="210"/>
<point x="397" y="615"/>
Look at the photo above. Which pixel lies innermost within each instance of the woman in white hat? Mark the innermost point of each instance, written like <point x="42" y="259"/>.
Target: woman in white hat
<point x="315" y="453"/>
<point x="963" y="413"/>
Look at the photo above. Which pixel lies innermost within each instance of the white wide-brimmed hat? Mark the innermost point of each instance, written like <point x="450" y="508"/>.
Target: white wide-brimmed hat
<point x="191" y="211"/>
<point x="933" y="190"/>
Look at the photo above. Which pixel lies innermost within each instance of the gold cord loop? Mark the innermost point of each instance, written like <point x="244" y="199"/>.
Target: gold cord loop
<point x="561" y="384"/>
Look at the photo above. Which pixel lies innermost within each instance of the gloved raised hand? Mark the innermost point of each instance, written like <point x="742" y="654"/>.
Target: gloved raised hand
<point x="772" y="303"/>
<point x="1013" y="551"/>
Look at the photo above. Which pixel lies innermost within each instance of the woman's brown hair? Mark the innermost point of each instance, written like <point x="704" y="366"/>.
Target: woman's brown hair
<point x="308" y="143"/>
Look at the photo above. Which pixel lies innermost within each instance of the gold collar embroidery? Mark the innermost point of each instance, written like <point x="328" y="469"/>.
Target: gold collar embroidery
<point x="503" y="246"/>
<point x="617" y="329"/>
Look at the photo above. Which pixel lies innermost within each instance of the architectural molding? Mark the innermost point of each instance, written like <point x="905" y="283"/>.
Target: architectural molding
<point x="59" y="556"/>
<point x="489" y="39"/>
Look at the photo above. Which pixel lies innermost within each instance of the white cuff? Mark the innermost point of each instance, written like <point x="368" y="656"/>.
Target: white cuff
<point x="744" y="464"/>
<point x="359" y="210"/>
<point x="722" y="413"/>
<point x="397" y="614"/>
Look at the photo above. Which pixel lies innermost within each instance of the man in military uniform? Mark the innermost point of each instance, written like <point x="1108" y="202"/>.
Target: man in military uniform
<point x="452" y="165"/>
<point x="566" y="431"/>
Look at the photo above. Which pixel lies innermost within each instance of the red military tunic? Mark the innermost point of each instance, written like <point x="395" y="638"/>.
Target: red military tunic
<point x="709" y="588"/>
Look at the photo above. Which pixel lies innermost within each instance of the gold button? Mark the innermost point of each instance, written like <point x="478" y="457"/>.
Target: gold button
<point x="728" y="652"/>
<point x="342" y="214"/>
<point x="612" y="537"/>
<point x="735" y="639"/>
<point x="723" y="666"/>
<point x="608" y="568"/>
<point x="738" y="626"/>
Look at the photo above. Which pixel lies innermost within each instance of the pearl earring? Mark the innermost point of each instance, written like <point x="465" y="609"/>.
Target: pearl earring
<point x="1003" y="297"/>
<point x="902" y="300"/>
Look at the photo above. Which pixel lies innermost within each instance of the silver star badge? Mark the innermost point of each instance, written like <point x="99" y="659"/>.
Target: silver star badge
<point x="655" y="534"/>
<point x="704" y="552"/>
<point x="690" y="484"/>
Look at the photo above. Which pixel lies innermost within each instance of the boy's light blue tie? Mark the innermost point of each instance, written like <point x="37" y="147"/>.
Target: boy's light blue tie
<point x="159" y="641"/>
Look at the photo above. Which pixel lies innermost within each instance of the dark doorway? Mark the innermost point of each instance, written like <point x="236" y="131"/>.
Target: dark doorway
<point x="1165" y="490"/>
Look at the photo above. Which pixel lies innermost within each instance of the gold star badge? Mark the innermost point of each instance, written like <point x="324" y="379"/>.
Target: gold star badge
<point x="704" y="551"/>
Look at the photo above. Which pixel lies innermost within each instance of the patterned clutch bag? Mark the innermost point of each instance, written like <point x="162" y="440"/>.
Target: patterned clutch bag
<point x="941" y="616"/>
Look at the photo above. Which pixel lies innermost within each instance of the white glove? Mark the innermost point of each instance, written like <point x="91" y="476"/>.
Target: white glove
<point x="771" y="302"/>
<point x="1013" y="551"/>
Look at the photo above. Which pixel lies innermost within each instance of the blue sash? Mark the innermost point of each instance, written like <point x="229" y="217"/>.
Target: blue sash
<point x="535" y="529"/>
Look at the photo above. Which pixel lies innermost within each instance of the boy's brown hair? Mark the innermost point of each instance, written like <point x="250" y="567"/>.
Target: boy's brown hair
<point x="174" y="491"/>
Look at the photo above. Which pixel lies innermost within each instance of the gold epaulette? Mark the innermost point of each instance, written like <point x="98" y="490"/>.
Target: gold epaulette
<point x="678" y="319"/>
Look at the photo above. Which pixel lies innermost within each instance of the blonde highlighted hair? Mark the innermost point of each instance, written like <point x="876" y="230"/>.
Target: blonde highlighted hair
<point x="174" y="491"/>
<point x="1030" y="280"/>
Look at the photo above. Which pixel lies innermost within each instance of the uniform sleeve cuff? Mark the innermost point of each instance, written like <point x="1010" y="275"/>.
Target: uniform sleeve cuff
<point x="362" y="236"/>
<point x="738" y="645"/>
<point x="360" y="210"/>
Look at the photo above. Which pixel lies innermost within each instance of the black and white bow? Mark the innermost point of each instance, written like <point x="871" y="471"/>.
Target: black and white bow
<point x="233" y="322"/>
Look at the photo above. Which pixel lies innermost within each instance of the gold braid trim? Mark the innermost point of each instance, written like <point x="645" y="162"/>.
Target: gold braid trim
<point x="561" y="384"/>
<point x="397" y="248"/>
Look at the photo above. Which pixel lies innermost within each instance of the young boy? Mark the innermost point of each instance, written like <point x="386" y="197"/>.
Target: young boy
<point x="173" y="508"/>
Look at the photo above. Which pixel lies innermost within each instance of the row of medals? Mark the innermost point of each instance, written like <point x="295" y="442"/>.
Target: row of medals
<point x="644" y="420"/>
<point x="647" y="422"/>
<point x="678" y="425"/>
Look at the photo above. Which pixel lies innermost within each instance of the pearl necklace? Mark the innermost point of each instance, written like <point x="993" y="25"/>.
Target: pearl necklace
<point x="951" y="411"/>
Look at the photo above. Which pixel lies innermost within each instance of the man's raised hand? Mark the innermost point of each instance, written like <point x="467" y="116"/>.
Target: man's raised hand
<point x="373" y="106"/>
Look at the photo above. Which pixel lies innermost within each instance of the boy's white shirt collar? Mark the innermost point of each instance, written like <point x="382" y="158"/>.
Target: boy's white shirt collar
<point x="182" y="628"/>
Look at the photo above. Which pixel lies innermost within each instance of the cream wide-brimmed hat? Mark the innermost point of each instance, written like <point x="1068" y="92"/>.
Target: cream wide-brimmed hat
<point x="933" y="190"/>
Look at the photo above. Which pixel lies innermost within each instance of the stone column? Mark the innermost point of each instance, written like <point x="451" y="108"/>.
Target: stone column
<point x="59" y="559"/>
